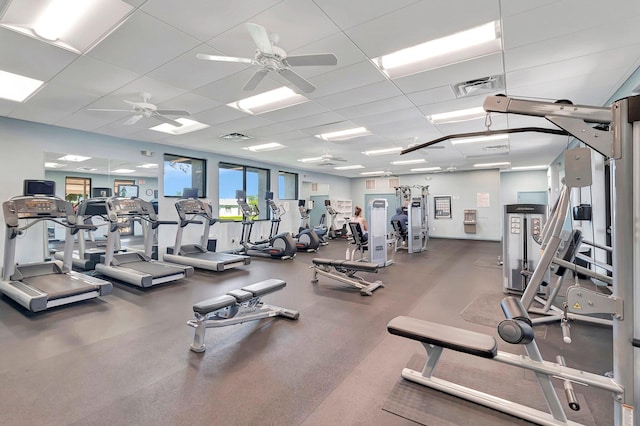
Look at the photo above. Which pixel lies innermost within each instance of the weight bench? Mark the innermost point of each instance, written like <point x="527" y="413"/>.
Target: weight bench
<point x="516" y="329"/>
<point x="235" y="307"/>
<point x="357" y="238"/>
<point x="345" y="272"/>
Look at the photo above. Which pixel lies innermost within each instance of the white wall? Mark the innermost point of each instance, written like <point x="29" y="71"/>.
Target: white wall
<point x="463" y="187"/>
<point x="513" y="182"/>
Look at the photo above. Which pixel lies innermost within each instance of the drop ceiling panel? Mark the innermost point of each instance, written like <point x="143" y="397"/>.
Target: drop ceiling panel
<point x="189" y="102"/>
<point x="204" y="19"/>
<point x="377" y="107"/>
<point x="142" y="44"/>
<point x="432" y="96"/>
<point x="361" y="74"/>
<point x="219" y="115"/>
<point x="360" y="95"/>
<point x="29" y="57"/>
<point x="93" y="76"/>
<point x="90" y="120"/>
<point x="315" y="120"/>
<point x="296" y="111"/>
<point x="562" y="19"/>
<point x="351" y="13"/>
<point x="244" y="125"/>
<point x="53" y="102"/>
<point x="420" y="22"/>
<point x="510" y="8"/>
<point x="270" y="131"/>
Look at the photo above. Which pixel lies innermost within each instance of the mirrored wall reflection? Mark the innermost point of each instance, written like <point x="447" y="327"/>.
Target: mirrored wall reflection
<point x="79" y="177"/>
<point x="315" y="194"/>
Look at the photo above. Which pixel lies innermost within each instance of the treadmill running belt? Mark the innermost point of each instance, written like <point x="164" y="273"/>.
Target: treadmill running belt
<point x="58" y="286"/>
<point x="155" y="269"/>
<point x="217" y="257"/>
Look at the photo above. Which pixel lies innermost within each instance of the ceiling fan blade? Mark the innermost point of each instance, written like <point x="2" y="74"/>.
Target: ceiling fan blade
<point x="260" y="38"/>
<point x="112" y="110"/>
<point x="172" y="112"/>
<point x="132" y="120"/>
<point x="166" y="120"/>
<point x="133" y="104"/>
<point x="206" y="57"/>
<point x="257" y="78"/>
<point x="312" y="59"/>
<point x="297" y="80"/>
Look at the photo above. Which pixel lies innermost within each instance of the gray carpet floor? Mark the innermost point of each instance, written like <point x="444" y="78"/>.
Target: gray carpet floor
<point x="125" y="359"/>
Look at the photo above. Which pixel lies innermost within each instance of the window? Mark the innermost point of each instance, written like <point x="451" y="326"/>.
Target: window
<point x="254" y="181"/>
<point x="76" y="189"/>
<point x="287" y="186"/>
<point x="182" y="172"/>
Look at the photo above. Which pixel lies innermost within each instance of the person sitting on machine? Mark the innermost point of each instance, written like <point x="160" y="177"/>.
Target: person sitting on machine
<point x="357" y="217"/>
<point x="401" y="216"/>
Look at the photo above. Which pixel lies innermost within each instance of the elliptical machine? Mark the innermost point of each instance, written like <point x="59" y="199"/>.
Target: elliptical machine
<point x="320" y="230"/>
<point x="277" y="246"/>
<point x="307" y="239"/>
<point x="332" y="232"/>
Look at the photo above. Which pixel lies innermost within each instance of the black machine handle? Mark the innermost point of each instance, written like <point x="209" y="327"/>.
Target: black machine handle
<point x="166" y="222"/>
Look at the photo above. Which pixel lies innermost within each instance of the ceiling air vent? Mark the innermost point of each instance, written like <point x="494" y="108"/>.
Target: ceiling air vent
<point x="394" y="182"/>
<point x="478" y="86"/>
<point x="370" y="184"/>
<point x="236" y="136"/>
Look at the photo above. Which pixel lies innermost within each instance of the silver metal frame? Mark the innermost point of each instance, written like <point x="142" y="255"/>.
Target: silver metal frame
<point x="349" y="277"/>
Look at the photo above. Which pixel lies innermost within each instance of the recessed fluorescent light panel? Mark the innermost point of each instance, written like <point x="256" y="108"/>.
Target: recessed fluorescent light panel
<point x="426" y="169"/>
<point x="343" y="135"/>
<point x="269" y="101"/>
<point x="122" y="171"/>
<point x="311" y="159"/>
<point x="490" y="138"/>
<point x="76" y="158"/>
<point x="355" y="166"/>
<point x="464" y="45"/>
<point x="457" y="116"/>
<point x="54" y="165"/>
<point x="148" y="166"/>
<point x="529" y="168"/>
<point x="265" y="147"/>
<point x="379" y="172"/>
<point x="16" y="87"/>
<point x="384" y="151"/>
<point x="188" y="126"/>
<point x="402" y="162"/>
<point x="504" y="163"/>
<point x="75" y="25"/>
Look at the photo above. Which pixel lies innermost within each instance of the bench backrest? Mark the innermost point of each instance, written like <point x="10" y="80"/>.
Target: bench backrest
<point x="357" y="233"/>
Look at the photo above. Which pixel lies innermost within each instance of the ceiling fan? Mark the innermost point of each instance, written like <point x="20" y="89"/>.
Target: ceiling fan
<point x="327" y="160"/>
<point x="270" y="57"/>
<point x="143" y="108"/>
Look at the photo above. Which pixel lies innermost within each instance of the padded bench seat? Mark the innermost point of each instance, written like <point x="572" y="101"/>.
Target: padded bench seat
<point x="238" y="296"/>
<point x="347" y="264"/>
<point x="214" y="304"/>
<point x="445" y="336"/>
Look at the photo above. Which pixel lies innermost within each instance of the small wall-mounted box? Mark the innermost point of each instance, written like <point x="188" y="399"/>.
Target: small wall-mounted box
<point x="470" y="221"/>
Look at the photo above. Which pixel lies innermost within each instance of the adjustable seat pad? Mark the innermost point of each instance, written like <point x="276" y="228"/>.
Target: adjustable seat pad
<point x="347" y="264"/>
<point x="453" y="338"/>
<point x="214" y="304"/>
<point x="264" y="287"/>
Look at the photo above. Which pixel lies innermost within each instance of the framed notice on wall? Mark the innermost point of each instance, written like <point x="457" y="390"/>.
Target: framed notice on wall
<point x="442" y="205"/>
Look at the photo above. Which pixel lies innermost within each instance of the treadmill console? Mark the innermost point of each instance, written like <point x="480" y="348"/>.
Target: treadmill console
<point x="37" y="208"/>
<point x="190" y="206"/>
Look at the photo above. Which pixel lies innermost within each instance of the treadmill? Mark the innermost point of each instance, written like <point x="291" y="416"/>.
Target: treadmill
<point x="134" y="267"/>
<point x="43" y="285"/>
<point x="86" y="258"/>
<point x="197" y="255"/>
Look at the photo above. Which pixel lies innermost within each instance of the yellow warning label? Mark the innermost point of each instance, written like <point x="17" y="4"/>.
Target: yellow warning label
<point x="577" y="305"/>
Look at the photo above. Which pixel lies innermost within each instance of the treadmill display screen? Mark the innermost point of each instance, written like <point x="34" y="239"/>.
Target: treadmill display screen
<point x="37" y="206"/>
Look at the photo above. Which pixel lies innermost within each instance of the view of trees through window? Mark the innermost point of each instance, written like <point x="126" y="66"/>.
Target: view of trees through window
<point x="254" y="181"/>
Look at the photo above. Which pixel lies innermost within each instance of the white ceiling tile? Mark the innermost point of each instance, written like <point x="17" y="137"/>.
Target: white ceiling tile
<point x="432" y="96"/>
<point x="350" y="13"/>
<point x="383" y="106"/>
<point x="314" y="120"/>
<point x="60" y="100"/>
<point x="360" y="74"/>
<point x="364" y="94"/>
<point x="346" y="52"/>
<point x="142" y="44"/>
<point x="270" y="131"/>
<point x="219" y="115"/>
<point x="229" y="89"/>
<point x="31" y="58"/>
<point x="294" y="112"/>
<point x="93" y="76"/>
<point x="189" y="102"/>
<point x="244" y="125"/>
<point x="204" y="19"/>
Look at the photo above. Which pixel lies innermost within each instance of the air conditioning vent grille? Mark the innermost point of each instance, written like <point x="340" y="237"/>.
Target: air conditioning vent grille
<point x="370" y="184"/>
<point x="478" y="86"/>
<point x="236" y="136"/>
